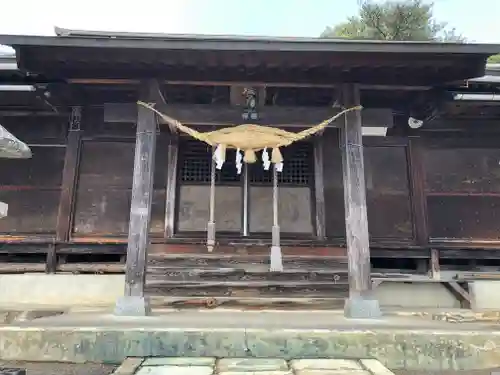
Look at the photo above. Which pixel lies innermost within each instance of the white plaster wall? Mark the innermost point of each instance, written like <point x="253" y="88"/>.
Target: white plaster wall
<point x="103" y="290"/>
<point x="61" y="290"/>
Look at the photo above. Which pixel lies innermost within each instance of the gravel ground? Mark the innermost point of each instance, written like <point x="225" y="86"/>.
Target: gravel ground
<point x="48" y="368"/>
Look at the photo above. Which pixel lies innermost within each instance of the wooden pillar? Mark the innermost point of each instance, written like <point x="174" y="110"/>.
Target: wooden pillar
<point x="415" y="155"/>
<point x="134" y="302"/>
<point x="171" y="195"/>
<point x="69" y="180"/>
<point x="319" y="189"/>
<point x="360" y="303"/>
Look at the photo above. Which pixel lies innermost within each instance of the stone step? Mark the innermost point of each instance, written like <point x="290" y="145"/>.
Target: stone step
<point x="247" y="366"/>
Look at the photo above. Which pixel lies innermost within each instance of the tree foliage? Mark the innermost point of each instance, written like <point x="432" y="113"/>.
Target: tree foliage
<point x="406" y="20"/>
<point x="495" y="59"/>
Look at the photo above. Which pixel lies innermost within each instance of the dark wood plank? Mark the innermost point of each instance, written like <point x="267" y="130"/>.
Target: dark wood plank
<point x="358" y="247"/>
<point x="51" y="263"/>
<point x="247" y="262"/>
<point x="435" y="270"/>
<point x="240" y="275"/>
<point x="220" y="115"/>
<point x="463" y="296"/>
<point x="31" y="212"/>
<point x="142" y="194"/>
<point x="69" y="179"/>
<point x="93" y="268"/>
<point x="249" y="303"/>
<point x="246" y="289"/>
<point x="417" y="183"/>
<point x="171" y="190"/>
<point x="319" y="189"/>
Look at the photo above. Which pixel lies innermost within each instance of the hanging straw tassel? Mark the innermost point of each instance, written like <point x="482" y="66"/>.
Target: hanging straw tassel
<point x="265" y="159"/>
<point x="276" y="259"/>
<point x="250" y="156"/>
<point x="220" y="156"/>
<point x="276" y="156"/>
<point x="211" y="220"/>
<point x="239" y="161"/>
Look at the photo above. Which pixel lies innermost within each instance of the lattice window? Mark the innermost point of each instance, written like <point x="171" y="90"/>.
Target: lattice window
<point x="196" y="159"/>
<point x="297" y="170"/>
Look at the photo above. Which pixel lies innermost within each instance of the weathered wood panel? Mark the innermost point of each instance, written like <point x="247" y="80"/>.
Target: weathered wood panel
<point x="221" y="115"/>
<point x="194" y="208"/>
<point x="240" y="275"/>
<point x="388" y="193"/>
<point x="333" y="188"/>
<point x="294" y="207"/>
<point x="38" y="129"/>
<point x="31" y="188"/>
<point x="463" y="193"/>
<point x="244" y="289"/>
<point x="30" y="211"/>
<point x="43" y="170"/>
<point x="104" y="189"/>
<point x="246" y="262"/>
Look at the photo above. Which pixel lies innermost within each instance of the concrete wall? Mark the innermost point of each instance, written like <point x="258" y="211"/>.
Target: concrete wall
<point x="423" y="295"/>
<point x="61" y="290"/>
<point x="485" y="295"/>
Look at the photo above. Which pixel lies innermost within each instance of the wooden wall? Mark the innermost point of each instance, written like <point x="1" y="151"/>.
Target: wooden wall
<point x="459" y="185"/>
<point x="32" y="187"/>
<point x="463" y="188"/>
<point x="104" y="183"/>
<point x="387" y="184"/>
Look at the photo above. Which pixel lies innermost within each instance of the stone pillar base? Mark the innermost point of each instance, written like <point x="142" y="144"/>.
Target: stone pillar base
<point x="362" y="308"/>
<point x="132" y="306"/>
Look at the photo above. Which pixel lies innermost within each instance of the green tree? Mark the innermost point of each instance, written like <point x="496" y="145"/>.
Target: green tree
<point x="495" y="59"/>
<point x="410" y="20"/>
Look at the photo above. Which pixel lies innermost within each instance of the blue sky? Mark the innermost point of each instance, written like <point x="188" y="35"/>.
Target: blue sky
<point x="478" y="20"/>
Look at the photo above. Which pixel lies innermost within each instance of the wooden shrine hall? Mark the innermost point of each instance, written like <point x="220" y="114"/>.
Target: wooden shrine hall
<point x="113" y="186"/>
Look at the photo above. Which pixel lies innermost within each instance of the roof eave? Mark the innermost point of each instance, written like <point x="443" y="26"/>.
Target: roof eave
<point x="228" y="43"/>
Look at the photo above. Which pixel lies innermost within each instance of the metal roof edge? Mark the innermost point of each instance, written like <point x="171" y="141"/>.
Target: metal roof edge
<point x="89" y="39"/>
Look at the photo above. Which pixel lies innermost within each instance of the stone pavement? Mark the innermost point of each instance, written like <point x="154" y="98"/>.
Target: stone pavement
<point x="249" y="366"/>
<point x="399" y="342"/>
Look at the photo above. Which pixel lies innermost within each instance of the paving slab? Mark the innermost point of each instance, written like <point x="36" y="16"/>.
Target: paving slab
<point x="251" y="364"/>
<point x="408" y="343"/>
<point x="258" y="366"/>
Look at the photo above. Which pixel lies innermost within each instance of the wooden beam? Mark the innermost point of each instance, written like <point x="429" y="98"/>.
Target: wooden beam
<point x="172" y="160"/>
<point x="140" y="207"/>
<point x="462" y="295"/>
<point x="361" y="303"/>
<point x="435" y="268"/>
<point x="319" y="189"/>
<point x="226" y="115"/>
<point x="69" y="178"/>
<point x="100" y="81"/>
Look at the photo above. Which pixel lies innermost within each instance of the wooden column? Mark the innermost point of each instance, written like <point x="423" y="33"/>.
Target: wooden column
<point x="319" y="189"/>
<point x="69" y="181"/>
<point x="134" y="303"/>
<point x="171" y="196"/>
<point x="360" y="303"/>
<point x="415" y="156"/>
